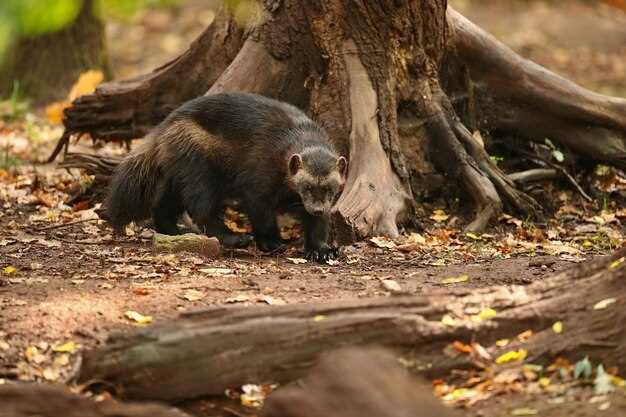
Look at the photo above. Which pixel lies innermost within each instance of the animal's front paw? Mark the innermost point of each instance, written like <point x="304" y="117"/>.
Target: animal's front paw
<point x="321" y="253"/>
<point x="236" y="240"/>
<point x="270" y="245"/>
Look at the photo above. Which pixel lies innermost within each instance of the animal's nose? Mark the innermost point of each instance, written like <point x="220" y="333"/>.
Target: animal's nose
<point x="318" y="212"/>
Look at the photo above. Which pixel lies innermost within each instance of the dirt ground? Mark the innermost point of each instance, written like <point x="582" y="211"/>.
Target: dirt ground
<point x="65" y="279"/>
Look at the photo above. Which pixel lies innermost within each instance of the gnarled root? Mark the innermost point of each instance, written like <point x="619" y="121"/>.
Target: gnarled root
<point x="374" y="199"/>
<point x="519" y="96"/>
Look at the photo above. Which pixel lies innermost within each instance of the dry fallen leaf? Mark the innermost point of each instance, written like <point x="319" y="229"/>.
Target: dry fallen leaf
<point x="383" y="242"/>
<point x="601" y="305"/>
<point x="524" y="412"/>
<point x="455" y="280"/>
<point x="513" y="355"/>
<point x="448" y="320"/>
<point x="391" y="286"/>
<point x="137" y="317"/>
<point x="215" y="272"/>
<point x="238" y="299"/>
<point x="297" y="261"/>
<point x="192" y="295"/>
<point x="68" y="347"/>
<point x="439" y="216"/>
<point x="9" y="270"/>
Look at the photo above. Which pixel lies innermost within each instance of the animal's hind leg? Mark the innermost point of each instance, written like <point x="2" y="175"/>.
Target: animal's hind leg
<point x="204" y="204"/>
<point x="166" y="211"/>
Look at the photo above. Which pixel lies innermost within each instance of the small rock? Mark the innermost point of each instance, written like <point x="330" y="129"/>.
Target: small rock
<point x="541" y="261"/>
<point x="391" y="286"/>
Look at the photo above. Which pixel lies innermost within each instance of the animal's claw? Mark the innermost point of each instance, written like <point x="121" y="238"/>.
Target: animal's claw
<point x="322" y="254"/>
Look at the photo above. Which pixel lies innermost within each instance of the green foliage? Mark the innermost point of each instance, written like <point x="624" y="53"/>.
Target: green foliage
<point x="25" y="18"/>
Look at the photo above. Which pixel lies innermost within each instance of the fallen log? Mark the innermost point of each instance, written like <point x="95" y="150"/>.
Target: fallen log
<point x="356" y="383"/>
<point x="205" y="352"/>
<point x="29" y="400"/>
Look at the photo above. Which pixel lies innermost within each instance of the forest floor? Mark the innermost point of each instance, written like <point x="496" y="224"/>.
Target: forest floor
<point x="66" y="283"/>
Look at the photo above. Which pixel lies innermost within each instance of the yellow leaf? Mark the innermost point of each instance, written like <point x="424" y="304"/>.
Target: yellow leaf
<point x="137" y="317"/>
<point x="617" y="381"/>
<point x="31" y="352"/>
<point x="297" y="261"/>
<point x="601" y="305"/>
<point x="513" y="355"/>
<point x="502" y="342"/>
<point x="544" y="382"/>
<point x="484" y="314"/>
<point x="473" y="236"/>
<point x="9" y="270"/>
<point x="617" y="262"/>
<point x="319" y="317"/>
<point x="487" y="313"/>
<point x="54" y="112"/>
<point x="86" y="84"/>
<point x="68" y="347"/>
<point x="587" y="244"/>
<point x="439" y="216"/>
<point x="455" y="280"/>
<point x="524" y="412"/>
<point x="557" y="327"/>
<point x="448" y="320"/>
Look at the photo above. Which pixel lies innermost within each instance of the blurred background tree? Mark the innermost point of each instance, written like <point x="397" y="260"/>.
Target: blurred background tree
<point x="46" y="44"/>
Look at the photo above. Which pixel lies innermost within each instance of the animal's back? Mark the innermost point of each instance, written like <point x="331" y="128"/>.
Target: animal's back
<point x="242" y="117"/>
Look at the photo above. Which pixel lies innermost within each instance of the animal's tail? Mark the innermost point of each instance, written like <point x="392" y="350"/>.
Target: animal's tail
<point x="133" y="187"/>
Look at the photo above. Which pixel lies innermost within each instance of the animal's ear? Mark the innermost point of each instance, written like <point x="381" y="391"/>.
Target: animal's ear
<point x="295" y="164"/>
<point x="342" y="166"/>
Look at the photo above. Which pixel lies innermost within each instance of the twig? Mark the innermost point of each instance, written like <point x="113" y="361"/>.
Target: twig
<point x="561" y="170"/>
<point x="58" y="226"/>
<point x="532" y="175"/>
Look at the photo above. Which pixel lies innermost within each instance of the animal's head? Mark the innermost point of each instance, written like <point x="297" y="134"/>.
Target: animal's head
<point x="317" y="175"/>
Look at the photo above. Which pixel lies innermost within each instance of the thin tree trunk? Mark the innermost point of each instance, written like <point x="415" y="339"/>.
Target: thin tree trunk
<point x="206" y="352"/>
<point x="46" y="66"/>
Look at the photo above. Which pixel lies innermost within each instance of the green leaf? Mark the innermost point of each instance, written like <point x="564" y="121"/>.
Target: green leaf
<point x="602" y="385"/>
<point x="583" y="368"/>
<point x="558" y="155"/>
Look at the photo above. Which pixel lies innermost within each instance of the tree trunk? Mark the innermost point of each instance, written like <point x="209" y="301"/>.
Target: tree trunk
<point x="379" y="77"/>
<point x="28" y="400"/>
<point x="206" y="352"/>
<point x="47" y="66"/>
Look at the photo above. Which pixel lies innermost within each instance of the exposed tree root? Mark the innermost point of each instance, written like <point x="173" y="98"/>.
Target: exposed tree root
<point x="532" y="175"/>
<point x="374" y="199"/>
<point x="128" y="109"/>
<point x="519" y="96"/>
<point x="516" y="199"/>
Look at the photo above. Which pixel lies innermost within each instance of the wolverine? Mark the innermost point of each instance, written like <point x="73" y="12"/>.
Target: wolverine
<point x="263" y="153"/>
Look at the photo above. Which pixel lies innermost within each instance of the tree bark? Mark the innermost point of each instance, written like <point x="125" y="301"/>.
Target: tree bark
<point x="28" y="400"/>
<point x="47" y="66"/>
<point x="205" y="352"/>
<point x="379" y="77"/>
